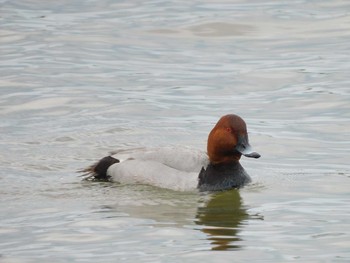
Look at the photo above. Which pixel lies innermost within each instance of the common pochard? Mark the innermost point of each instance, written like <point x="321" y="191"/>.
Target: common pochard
<point x="182" y="168"/>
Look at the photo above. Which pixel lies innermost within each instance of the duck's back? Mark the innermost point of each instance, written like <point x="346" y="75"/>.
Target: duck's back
<point x="180" y="158"/>
<point x="175" y="168"/>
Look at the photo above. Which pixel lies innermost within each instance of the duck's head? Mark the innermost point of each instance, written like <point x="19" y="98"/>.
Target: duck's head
<point x="228" y="141"/>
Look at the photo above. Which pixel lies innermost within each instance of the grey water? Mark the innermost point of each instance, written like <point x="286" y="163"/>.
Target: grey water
<point x="81" y="78"/>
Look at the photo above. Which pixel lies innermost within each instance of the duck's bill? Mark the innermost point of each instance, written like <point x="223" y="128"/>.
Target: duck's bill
<point x="248" y="152"/>
<point x="245" y="149"/>
<point x="251" y="154"/>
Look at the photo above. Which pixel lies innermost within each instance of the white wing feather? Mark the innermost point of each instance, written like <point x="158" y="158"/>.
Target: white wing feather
<point x="175" y="168"/>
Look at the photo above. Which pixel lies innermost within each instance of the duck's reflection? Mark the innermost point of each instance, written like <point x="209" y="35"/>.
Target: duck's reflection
<point x="221" y="217"/>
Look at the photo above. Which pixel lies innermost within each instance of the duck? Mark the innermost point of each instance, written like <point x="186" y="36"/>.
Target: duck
<point x="181" y="168"/>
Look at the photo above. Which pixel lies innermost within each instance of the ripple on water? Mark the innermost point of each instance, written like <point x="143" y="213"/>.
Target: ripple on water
<point x="82" y="78"/>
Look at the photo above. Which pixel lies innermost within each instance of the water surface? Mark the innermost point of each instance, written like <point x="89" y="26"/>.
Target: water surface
<point x="79" y="79"/>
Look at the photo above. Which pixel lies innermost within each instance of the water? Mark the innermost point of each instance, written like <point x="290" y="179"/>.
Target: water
<point x="81" y="78"/>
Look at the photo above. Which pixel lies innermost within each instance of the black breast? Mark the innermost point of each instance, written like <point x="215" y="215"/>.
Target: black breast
<point x="222" y="177"/>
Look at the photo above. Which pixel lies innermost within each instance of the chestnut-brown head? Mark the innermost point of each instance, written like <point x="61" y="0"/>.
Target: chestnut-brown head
<point x="228" y="140"/>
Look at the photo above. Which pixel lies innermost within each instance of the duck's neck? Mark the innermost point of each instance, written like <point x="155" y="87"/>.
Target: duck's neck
<point x="222" y="176"/>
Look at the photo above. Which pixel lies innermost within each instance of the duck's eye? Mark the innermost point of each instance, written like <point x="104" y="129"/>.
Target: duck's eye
<point x="229" y="130"/>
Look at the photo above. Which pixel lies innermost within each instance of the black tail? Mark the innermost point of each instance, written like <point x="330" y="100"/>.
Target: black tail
<point x="98" y="171"/>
